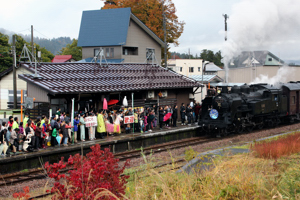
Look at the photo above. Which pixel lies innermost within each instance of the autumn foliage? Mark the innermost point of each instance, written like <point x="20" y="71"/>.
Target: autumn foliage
<point x="22" y="195"/>
<point x="275" y="149"/>
<point x="150" y="12"/>
<point x="91" y="175"/>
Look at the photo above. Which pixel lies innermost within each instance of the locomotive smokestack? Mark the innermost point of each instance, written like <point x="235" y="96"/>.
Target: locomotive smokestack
<point x="225" y="17"/>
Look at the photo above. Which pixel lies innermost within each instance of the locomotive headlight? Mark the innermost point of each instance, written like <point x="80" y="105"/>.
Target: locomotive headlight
<point x="213" y="114"/>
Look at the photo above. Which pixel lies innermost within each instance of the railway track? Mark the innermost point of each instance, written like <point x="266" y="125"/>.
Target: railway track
<point x="19" y="177"/>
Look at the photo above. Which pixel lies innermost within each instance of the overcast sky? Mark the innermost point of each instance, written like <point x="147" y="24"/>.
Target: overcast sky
<point x="203" y="30"/>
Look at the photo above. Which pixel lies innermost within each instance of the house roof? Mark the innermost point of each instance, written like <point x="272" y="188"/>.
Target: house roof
<point x="6" y="72"/>
<point x="61" y="58"/>
<point x="211" y="67"/>
<point x="74" y="78"/>
<point x="257" y="58"/>
<point x="108" y="27"/>
<point x="206" y="78"/>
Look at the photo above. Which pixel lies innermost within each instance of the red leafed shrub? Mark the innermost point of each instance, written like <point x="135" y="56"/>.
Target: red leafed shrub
<point x="22" y="195"/>
<point x="92" y="174"/>
<point x="275" y="149"/>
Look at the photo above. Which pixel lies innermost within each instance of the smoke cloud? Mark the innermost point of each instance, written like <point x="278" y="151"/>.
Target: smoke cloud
<point x="282" y="76"/>
<point x="261" y="25"/>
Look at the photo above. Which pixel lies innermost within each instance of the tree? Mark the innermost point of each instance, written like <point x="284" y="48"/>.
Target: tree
<point x="210" y="56"/>
<point x="6" y="59"/>
<point x="72" y="49"/>
<point x="218" y="59"/>
<point x="150" y="12"/>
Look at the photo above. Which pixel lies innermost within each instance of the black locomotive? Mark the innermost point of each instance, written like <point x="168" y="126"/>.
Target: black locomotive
<point x="243" y="108"/>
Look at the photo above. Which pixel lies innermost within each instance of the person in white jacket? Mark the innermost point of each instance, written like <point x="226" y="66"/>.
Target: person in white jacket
<point x="29" y="132"/>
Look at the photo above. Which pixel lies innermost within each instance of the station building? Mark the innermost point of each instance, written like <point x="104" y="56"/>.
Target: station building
<point x="90" y="83"/>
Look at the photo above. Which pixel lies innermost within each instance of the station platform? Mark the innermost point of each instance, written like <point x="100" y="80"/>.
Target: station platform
<point x="119" y="143"/>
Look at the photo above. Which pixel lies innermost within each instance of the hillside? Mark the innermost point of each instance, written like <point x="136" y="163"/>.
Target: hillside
<point x="53" y="45"/>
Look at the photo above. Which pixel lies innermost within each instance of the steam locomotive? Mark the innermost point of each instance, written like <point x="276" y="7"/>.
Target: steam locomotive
<point x="243" y="108"/>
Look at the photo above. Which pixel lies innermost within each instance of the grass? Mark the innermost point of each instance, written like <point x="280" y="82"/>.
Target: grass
<point x="242" y="176"/>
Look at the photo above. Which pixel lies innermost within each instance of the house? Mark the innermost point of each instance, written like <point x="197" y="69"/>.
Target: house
<point x="121" y="36"/>
<point x="256" y="58"/>
<point x="89" y="83"/>
<point x="251" y="65"/>
<point x="6" y="87"/>
<point x="186" y="67"/>
<point x="63" y="58"/>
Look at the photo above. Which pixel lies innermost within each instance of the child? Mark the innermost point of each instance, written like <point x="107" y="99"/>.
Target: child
<point x="127" y="129"/>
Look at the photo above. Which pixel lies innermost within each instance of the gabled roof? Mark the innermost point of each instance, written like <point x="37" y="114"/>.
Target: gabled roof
<point x="108" y="27"/>
<point x="206" y="78"/>
<point x="255" y="58"/>
<point x="211" y="67"/>
<point x="74" y="78"/>
<point x="61" y="58"/>
<point x="5" y="72"/>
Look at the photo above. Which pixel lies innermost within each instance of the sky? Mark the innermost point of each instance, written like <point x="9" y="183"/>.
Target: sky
<point x="204" y="28"/>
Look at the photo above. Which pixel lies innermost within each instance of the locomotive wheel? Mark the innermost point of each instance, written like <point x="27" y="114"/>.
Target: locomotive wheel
<point x="270" y="124"/>
<point x="239" y="129"/>
<point x="225" y="132"/>
<point x="260" y="126"/>
<point x="249" y="128"/>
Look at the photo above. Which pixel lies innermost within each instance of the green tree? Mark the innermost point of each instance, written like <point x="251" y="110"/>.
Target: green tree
<point x="6" y="59"/>
<point x="72" y="49"/>
<point x="218" y="59"/>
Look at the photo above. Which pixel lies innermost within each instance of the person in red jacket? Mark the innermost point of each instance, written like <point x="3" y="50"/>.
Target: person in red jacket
<point x="197" y="111"/>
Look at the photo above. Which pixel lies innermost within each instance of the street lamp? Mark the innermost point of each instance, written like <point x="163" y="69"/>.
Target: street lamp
<point x="204" y="63"/>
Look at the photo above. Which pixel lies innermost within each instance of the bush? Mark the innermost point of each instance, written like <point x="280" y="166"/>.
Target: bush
<point x="96" y="176"/>
<point x="274" y="149"/>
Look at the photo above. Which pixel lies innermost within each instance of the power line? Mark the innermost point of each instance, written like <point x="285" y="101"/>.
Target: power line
<point x="41" y="33"/>
<point x="23" y="30"/>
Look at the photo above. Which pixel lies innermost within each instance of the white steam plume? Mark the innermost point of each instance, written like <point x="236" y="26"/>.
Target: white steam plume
<point x="282" y="76"/>
<point x="260" y="25"/>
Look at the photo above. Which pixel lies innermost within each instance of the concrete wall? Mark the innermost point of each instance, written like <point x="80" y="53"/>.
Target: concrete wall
<point x="6" y="84"/>
<point x="137" y="37"/>
<point x="248" y="74"/>
<point x="38" y="93"/>
<point x="175" y="65"/>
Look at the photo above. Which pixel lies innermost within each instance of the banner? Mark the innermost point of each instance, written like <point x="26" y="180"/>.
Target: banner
<point x="128" y="119"/>
<point x="90" y="121"/>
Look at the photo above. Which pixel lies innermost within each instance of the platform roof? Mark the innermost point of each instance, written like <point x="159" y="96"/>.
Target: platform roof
<point x="73" y="78"/>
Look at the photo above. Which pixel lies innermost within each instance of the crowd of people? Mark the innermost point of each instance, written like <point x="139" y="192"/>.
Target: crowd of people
<point x="42" y="132"/>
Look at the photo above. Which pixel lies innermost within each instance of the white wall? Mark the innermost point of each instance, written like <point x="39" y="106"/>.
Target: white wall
<point x="6" y="84"/>
<point x="175" y="64"/>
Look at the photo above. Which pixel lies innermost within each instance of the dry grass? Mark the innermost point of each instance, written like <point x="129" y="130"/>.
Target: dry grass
<point x="237" y="177"/>
<point x="274" y="149"/>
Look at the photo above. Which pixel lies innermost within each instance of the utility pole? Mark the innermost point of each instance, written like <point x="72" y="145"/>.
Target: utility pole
<point x="225" y="17"/>
<point x="14" y="71"/>
<point x="165" y="35"/>
<point x="32" y="48"/>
